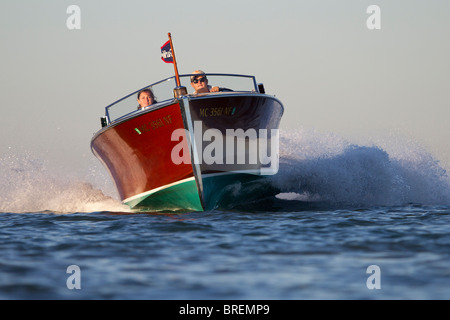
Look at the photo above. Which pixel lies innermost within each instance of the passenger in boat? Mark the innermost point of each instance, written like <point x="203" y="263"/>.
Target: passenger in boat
<point x="200" y="83"/>
<point x="145" y="98"/>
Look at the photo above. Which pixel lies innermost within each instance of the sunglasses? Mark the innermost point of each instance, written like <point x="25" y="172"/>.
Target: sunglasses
<point x="203" y="79"/>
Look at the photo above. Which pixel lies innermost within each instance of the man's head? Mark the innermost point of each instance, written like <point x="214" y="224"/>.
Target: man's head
<point x="199" y="81"/>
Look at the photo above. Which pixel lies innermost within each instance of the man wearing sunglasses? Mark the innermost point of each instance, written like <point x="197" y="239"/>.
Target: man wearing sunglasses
<point x="200" y="83"/>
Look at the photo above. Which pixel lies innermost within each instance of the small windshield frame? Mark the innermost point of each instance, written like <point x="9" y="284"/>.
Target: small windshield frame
<point x="163" y="91"/>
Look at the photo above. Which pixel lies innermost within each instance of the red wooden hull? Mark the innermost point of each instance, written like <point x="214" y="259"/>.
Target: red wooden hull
<point x="137" y="151"/>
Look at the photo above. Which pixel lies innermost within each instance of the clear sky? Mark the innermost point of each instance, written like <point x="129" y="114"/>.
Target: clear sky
<point x="318" y="57"/>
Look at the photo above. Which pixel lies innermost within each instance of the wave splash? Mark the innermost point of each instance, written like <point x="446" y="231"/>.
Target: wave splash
<point x="323" y="167"/>
<point x="27" y="185"/>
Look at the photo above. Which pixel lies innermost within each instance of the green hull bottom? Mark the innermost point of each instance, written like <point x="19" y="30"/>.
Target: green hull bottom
<point x="229" y="190"/>
<point x="183" y="196"/>
<point x="222" y="191"/>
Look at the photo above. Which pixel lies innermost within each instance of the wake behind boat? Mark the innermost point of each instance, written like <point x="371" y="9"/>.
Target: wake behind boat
<point x="191" y="151"/>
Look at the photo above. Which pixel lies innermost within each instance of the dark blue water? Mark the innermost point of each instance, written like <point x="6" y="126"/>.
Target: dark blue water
<point x="342" y="209"/>
<point x="307" y="254"/>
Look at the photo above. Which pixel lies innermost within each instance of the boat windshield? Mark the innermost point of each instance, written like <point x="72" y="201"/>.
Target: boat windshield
<point x="163" y="91"/>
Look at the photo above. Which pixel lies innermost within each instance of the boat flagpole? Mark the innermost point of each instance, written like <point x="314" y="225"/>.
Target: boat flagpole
<point x="175" y="66"/>
<point x="168" y="56"/>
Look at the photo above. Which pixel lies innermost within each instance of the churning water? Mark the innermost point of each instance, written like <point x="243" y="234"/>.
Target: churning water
<point x="342" y="208"/>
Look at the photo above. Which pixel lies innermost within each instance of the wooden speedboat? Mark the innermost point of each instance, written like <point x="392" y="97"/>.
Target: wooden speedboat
<point x="191" y="151"/>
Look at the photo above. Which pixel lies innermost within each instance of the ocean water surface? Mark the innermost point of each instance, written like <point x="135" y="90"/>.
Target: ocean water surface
<point x="366" y="221"/>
